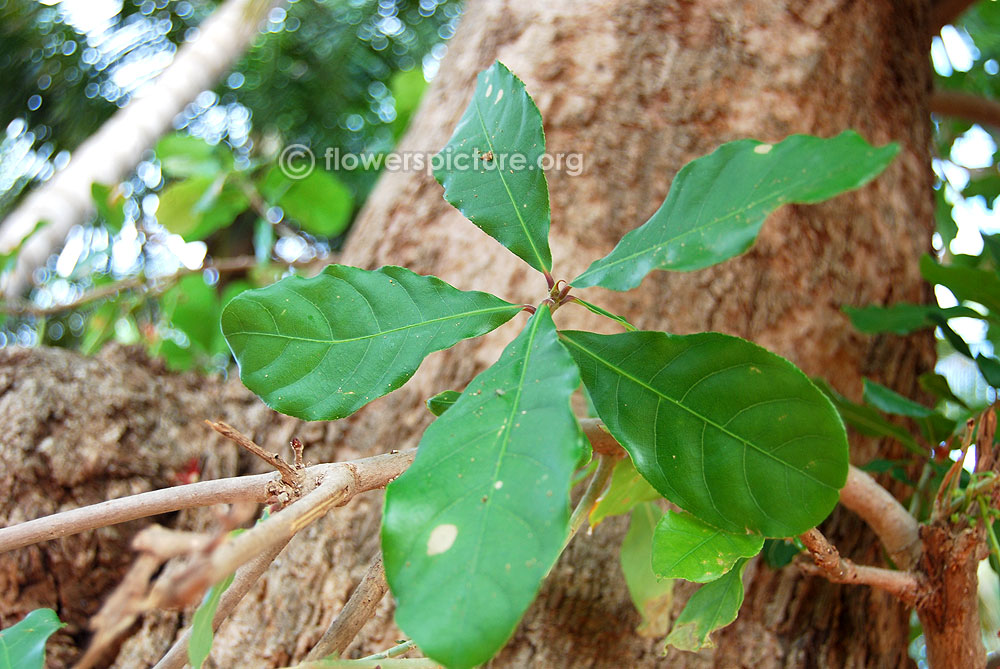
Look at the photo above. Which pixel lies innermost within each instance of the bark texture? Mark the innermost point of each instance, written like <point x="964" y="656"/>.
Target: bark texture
<point x="640" y="87"/>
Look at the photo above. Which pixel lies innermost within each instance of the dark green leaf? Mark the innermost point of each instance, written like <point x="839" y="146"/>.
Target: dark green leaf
<point x="778" y="553"/>
<point x="718" y="203"/>
<point x="688" y="548"/>
<point x="937" y="385"/>
<point x="990" y="368"/>
<point x="889" y="401"/>
<point x="322" y="348"/>
<point x="443" y="401"/>
<point x="952" y="337"/>
<point x="975" y="285"/>
<point x="473" y="526"/>
<point x="992" y="244"/>
<point x="192" y="306"/>
<point x="202" y="634"/>
<point x="607" y="314"/>
<point x="626" y="490"/>
<point x="652" y="596"/>
<point x="723" y="428"/>
<point x="712" y="607"/>
<point x="22" y="646"/>
<point x="867" y="420"/>
<point x="902" y="318"/>
<point x="489" y="169"/>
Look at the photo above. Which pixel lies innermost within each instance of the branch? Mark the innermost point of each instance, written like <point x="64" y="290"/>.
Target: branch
<point x="944" y="12"/>
<point x="339" y="484"/>
<point x="896" y="528"/>
<point x="969" y="107"/>
<point x="19" y="307"/>
<point x="600" y="439"/>
<point x="598" y="482"/>
<point x="258" y="488"/>
<point x="245" y="578"/>
<point x="903" y="585"/>
<point x="358" y="610"/>
<point x="290" y="476"/>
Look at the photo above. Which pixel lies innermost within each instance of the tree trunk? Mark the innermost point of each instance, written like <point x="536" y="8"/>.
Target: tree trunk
<point x="639" y="88"/>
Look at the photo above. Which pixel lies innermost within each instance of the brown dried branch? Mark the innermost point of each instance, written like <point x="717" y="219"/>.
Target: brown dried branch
<point x="356" y="612"/>
<point x="337" y="485"/>
<point x="898" y="531"/>
<point x="600" y="439"/>
<point x="903" y="585"/>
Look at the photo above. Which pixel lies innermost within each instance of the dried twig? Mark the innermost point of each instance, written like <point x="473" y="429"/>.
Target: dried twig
<point x="356" y="612"/>
<point x="291" y="477"/>
<point x="903" y="585"/>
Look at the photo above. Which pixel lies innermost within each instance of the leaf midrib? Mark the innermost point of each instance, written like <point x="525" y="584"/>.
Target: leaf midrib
<point x="705" y="419"/>
<point x="381" y="333"/>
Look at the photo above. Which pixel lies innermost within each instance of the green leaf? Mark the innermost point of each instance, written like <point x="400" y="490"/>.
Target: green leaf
<point x="952" y="337"/>
<point x="990" y="368"/>
<point x="688" y="548"/>
<point x="626" y="490"/>
<point x="202" y="634"/>
<point x="718" y="203"/>
<point x="967" y="283"/>
<point x="22" y="646"/>
<point x="443" y="401"/>
<point x="600" y="311"/>
<point x="652" y="596"/>
<point x="110" y="205"/>
<point x="187" y="156"/>
<point x="322" y="348"/>
<point x="320" y="203"/>
<point x="712" y="607"/>
<point x="473" y="526"/>
<point x="723" y="428"/>
<point x="889" y="401"/>
<point x="196" y="207"/>
<point x="937" y="385"/>
<point x="192" y="306"/>
<point x="489" y="168"/>
<point x="902" y="318"/>
<point x="867" y="420"/>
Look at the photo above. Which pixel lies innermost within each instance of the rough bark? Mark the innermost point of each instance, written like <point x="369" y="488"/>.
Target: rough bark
<point x="641" y="87"/>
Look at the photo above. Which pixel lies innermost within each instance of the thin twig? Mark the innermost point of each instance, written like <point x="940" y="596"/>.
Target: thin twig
<point x="896" y="528"/>
<point x="289" y="476"/>
<point x="598" y="482"/>
<point x="965" y="106"/>
<point x="257" y="488"/>
<point x="395" y="651"/>
<point x="393" y="663"/>
<point x="245" y="578"/>
<point x="340" y="483"/>
<point x="600" y="439"/>
<point x="903" y="585"/>
<point x="356" y="612"/>
<point x="18" y="307"/>
<point x="944" y="12"/>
